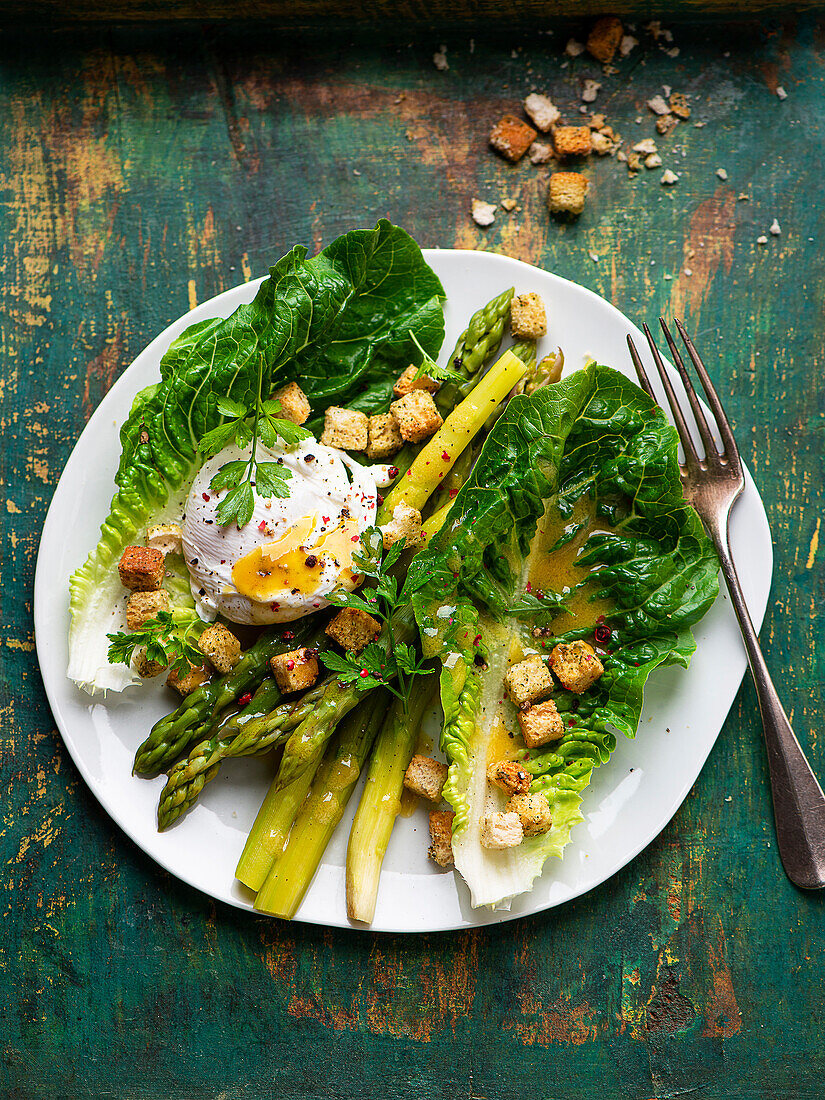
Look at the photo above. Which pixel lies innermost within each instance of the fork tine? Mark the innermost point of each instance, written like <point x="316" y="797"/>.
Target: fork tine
<point x="641" y="373"/>
<point x="691" y="457"/>
<point x="731" y="450"/>
<point x="702" y="424"/>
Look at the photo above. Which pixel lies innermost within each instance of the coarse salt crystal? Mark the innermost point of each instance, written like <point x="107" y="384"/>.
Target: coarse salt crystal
<point x="775" y="228"/>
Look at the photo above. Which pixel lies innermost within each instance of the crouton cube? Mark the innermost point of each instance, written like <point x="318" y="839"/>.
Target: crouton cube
<point x="405" y="525"/>
<point x="407" y="382"/>
<point x="501" y="830"/>
<point x="221" y="646"/>
<point x="576" y="665"/>
<point x="141" y="568"/>
<point x="165" y="537"/>
<point x="345" y="429"/>
<point x="679" y="105"/>
<point x="183" y="685"/>
<point x="296" y="670"/>
<point x="512" y="138"/>
<point x="566" y="193"/>
<point x="533" y="812"/>
<point x="441" y="835"/>
<point x="509" y="776"/>
<point x="384" y="437"/>
<point x="540" y="724"/>
<point x="528" y="320"/>
<point x="604" y="38"/>
<point x="353" y="629"/>
<point x="528" y="681"/>
<point x="143" y="606"/>
<point x="572" y="141"/>
<point x="294" y="404"/>
<point x="143" y="666"/>
<point x="417" y="416"/>
<point x="602" y="143"/>
<point x="542" y="111"/>
<point x="426" y="777"/>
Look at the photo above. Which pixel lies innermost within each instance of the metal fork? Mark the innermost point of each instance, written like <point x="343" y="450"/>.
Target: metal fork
<point x="712" y="483"/>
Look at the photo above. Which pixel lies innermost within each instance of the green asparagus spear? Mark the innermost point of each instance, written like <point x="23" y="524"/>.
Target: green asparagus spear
<point x="475" y="347"/>
<point x="436" y="457"/>
<point x="193" y="718"/>
<point x="381" y="800"/>
<point x="292" y="871"/>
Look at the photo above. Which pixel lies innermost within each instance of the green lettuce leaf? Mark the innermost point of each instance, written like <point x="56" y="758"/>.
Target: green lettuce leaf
<point x="596" y="438"/>
<point x="338" y="323"/>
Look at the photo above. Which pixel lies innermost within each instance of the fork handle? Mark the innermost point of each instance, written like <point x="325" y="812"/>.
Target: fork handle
<point x="798" y="801"/>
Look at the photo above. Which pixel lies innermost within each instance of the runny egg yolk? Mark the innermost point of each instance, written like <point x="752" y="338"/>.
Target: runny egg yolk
<point x="289" y="565"/>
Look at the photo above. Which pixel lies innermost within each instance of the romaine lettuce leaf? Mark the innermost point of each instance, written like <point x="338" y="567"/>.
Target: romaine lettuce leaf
<point x="338" y="323"/>
<point x="597" y="438"/>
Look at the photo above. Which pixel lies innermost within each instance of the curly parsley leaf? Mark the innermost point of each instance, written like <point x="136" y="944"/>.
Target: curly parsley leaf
<point x="430" y="369"/>
<point x="162" y="642"/>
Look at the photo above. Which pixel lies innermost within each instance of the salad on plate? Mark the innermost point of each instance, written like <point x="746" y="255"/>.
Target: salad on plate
<point x="323" y="528"/>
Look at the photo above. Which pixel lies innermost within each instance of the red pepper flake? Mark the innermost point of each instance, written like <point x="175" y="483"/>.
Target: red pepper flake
<point x="379" y="499"/>
<point x="453" y="493"/>
<point x="477" y="639"/>
<point x="354" y="538"/>
<point x="529" y="587"/>
<point x="445" y="456"/>
<point x="571" y="721"/>
<point x="262" y="525"/>
<point x="325" y="519"/>
<point x="275" y="606"/>
<point x="290" y="665"/>
<point x="602" y="634"/>
<point x="393" y="472"/>
<point x="409" y="473"/>
<point x="205" y="496"/>
<point x="287" y="635"/>
<point x="245" y="698"/>
<point x="364" y="672"/>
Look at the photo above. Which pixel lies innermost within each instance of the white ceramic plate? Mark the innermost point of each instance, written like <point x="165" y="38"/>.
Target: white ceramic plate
<point x="629" y="801"/>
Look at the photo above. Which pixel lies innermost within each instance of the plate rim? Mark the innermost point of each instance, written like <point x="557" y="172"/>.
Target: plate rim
<point x="486" y="918"/>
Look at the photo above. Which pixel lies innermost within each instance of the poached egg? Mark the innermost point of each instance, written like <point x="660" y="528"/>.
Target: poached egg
<point x="294" y="550"/>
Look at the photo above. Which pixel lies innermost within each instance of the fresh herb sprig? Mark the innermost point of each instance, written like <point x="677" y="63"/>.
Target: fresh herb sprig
<point x="381" y="600"/>
<point x="246" y="478"/>
<point x="166" y="644"/>
<point x="431" y="369"/>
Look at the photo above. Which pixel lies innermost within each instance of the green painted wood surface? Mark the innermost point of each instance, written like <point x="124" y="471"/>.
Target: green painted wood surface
<point x="142" y="172"/>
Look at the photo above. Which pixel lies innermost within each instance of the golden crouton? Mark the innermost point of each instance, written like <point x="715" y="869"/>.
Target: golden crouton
<point x="143" y="606"/>
<point x="576" y="665"/>
<point x="528" y="681"/>
<point x="540" y="724"/>
<point x="294" y="671"/>
<point x="441" y="835"/>
<point x="405" y="525"/>
<point x="294" y="404"/>
<point x="533" y="812"/>
<point x="512" y="138"/>
<point x="165" y="537"/>
<point x="143" y="666"/>
<point x="407" y="382"/>
<point x="679" y="105"/>
<point x="141" y="568"/>
<point x="384" y="437"/>
<point x="353" y="629"/>
<point x="426" y="777"/>
<point x="566" y="193"/>
<point x="221" y="647"/>
<point x="345" y="429"/>
<point x="417" y="416"/>
<point x="509" y="776"/>
<point x="528" y="319"/>
<point x="196" y="676"/>
<point x="604" y="39"/>
<point x="501" y="830"/>
<point x="572" y="141"/>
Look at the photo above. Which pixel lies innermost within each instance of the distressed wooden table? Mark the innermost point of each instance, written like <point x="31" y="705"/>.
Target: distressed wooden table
<point x="144" y="171"/>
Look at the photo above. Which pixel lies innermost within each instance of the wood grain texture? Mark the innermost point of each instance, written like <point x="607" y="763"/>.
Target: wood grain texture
<point x="144" y="172"/>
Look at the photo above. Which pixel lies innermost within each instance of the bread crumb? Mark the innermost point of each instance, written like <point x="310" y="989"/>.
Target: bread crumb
<point x="721" y="173"/>
<point x="508" y="204"/>
<point x="658" y="105"/>
<point x="653" y="161"/>
<point x="594" y="256"/>
<point x="669" y="177"/>
<point x="590" y="91"/>
<point x="627" y="44"/>
<point x="775" y="229"/>
<point x="688" y="272"/>
<point x="679" y="105"/>
<point x="541" y="111"/>
<point x="540" y="153"/>
<point x="484" y="213"/>
<point x="762" y="240"/>
<point x="440" y="59"/>
<point x="574" y="48"/>
<point x="780" y="91"/>
<point x="645" y="147"/>
<point x="666" y="123"/>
